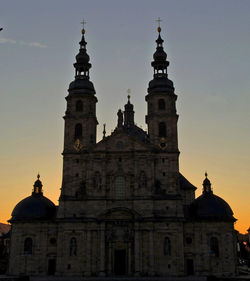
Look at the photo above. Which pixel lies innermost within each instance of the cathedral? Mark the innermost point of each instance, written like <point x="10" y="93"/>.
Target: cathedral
<point x="124" y="209"/>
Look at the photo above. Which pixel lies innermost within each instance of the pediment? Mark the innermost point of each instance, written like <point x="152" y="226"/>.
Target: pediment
<point x="120" y="141"/>
<point x="119" y="214"/>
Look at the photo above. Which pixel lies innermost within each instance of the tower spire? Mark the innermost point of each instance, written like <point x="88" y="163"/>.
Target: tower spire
<point x="160" y="82"/>
<point x="82" y="66"/>
<point x="161" y="115"/>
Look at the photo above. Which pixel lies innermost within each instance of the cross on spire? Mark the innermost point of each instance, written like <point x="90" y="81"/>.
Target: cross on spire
<point x="159" y="21"/>
<point x="128" y="91"/>
<point x="83" y="23"/>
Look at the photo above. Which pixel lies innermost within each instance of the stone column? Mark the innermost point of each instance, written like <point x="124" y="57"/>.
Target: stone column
<point x="137" y="250"/>
<point x="151" y="253"/>
<point x="102" y="250"/>
<point x="129" y="258"/>
<point x="109" y="258"/>
<point x="88" y="254"/>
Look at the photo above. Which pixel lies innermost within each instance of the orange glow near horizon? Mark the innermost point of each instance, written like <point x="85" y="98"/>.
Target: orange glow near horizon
<point x="52" y="180"/>
<point x="209" y="55"/>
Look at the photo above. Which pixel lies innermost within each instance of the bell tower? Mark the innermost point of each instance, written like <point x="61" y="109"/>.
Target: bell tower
<point x="80" y="116"/>
<point x="161" y="115"/>
<point x="80" y="124"/>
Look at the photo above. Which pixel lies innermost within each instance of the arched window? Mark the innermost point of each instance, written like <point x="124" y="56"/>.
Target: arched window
<point x="97" y="180"/>
<point x="28" y="245"/>
<point x="214" y="246"/>
<point x="162" y="130"/>
<point x="92" y="139"/>
<point x="78" y="130"/>
<point x="73" y="247"/>
<point x="79" y="106"/>
<point x="161" y="104"/>
<point x="143" y="180"/>
<point x="120" y="187"/>
<point x="167" y="247"/>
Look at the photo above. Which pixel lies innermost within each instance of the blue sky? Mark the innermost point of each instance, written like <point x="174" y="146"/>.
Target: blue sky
<point x="207" y="43"/>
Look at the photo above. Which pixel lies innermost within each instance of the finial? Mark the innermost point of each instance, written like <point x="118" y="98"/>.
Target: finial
<point x="207" y="185"/>
<point x="128" y="91"/>
<point x="104" y="130"/>
<point x="159" y="24"/>
<point x="83" y="23"/>
<point x="37" y="190"/>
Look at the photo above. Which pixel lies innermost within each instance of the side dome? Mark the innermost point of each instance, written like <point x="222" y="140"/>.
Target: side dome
<point x="209" y="206"/>
<point x="34" y="207"/>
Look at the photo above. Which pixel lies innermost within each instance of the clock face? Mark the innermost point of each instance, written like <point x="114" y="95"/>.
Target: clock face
<point x="163" y="144"/>
<point x="78" y="145"/>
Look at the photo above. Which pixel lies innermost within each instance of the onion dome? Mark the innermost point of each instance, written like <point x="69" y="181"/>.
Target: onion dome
<point x="82" y="84"/>
<point x="209" y="206"/>
<point x="160" y="56"/>
<point x="160" y="82"/>
<point x="34" y="207"/>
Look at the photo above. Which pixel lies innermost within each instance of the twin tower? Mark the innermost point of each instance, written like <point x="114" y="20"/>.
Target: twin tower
<point x="124" y="209"/>
<point x="80" y="117"/>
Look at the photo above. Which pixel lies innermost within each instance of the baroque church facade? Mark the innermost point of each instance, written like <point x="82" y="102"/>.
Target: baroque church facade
<point x="125" y="209"/>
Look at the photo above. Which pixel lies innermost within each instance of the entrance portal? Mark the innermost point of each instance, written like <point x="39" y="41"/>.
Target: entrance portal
<point x="51" y="266"/>
<point x="190" y="267"/>
<point x="120" y="262"/>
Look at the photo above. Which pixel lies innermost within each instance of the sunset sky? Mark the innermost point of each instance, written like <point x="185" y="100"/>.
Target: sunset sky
<point x="208" y="46"/>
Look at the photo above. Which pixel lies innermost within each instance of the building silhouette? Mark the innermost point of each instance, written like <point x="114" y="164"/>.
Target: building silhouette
<point x="125" y="209"/>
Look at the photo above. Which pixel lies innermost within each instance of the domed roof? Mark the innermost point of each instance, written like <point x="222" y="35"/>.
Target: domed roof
<point x="83" y="85"/>
<point x="160" y="54"/>
<point x="210" y="206"/>
<point x="82" y="57"/>
<point x="34" y="207"/>
<point x="160" y="85"/>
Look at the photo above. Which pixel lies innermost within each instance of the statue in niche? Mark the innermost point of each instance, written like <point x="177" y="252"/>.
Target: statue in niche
<point x="120" y="118"/>
<point x="97" y="181"/>
<point x="108" y="181"/>
<point x="73" y="247"/>
<point x="158" y="188"/>
<point x="143" y="180"/>
<point x="83" y="187"/>
<point x="167" y="247"/>
<point x="81" y="192"/>
<point x="132" y="181"/>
